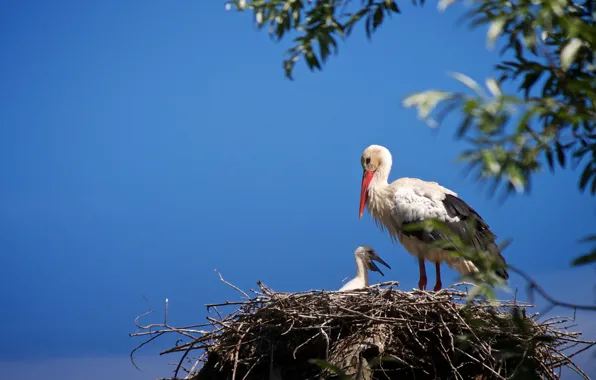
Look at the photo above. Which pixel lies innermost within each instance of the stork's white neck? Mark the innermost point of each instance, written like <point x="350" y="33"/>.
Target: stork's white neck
<point x="361" y="271"/>
<point x="381" y="177"/>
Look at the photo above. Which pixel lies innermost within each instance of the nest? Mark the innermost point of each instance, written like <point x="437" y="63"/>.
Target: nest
<point x="376" y="333"/>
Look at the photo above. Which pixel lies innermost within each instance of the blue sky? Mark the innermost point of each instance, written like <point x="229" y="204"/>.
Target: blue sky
<point x="146" y="143"/>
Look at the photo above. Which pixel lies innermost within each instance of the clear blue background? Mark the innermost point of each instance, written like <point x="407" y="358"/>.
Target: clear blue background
<point x="144" y="144"/>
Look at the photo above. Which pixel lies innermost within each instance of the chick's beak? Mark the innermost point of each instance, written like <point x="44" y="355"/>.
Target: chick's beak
<point x="374" y="257"/>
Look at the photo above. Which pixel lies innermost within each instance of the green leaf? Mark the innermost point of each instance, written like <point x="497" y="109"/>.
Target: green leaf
<point x="325" y="365"/>
<point x="588" y="258"/>
<point x="547" y="88"/>
<point x="443" y="4"/>
<point x="390" y="4"/>
<point x="560" y="154"/>
<point x="495" y="30"/>
<point x="425" y="101"/>
<point x="377" y="18"/>
<point x="516" y="178"/>
<point x="585" y="177"/>
<point x="588" y="239"/>
<point x="464" y="126"/>
<point x="549" y="158"/>
<point x="493" y="86"/>
<point x="490" y="162"/>
<point x="482" y="290"/>
<point x="518" y="47"/>
<point x="382" y="359"/>
<point x="569" y="52"/>
<point x="469" y="82"/>
<point x="529" y="81"/>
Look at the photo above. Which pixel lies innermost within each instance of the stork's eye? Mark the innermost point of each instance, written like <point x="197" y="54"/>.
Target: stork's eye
<point x="368" y="160"/>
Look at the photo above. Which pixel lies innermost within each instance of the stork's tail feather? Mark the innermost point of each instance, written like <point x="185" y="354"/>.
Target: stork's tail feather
<point x="502" y="272"/>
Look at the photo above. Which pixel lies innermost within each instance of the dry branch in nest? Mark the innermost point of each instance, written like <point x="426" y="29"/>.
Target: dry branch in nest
<point x="375" y="333"/>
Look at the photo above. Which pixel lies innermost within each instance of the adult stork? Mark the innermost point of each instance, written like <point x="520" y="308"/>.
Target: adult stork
<point x="411" y="200"/>
<point x="365" y="257"/>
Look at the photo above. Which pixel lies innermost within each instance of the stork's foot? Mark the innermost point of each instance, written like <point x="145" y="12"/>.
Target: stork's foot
<point x="438" y="286"/>
<point x="422" y="283"/>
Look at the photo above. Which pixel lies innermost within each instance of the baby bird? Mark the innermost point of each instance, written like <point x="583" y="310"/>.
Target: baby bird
<point x="364" y="256"/>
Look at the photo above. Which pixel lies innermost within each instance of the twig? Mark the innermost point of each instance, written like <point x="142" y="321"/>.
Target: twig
<point x="534" y="286"/>
<point x="237" y="352"/>
<point x="304" y="344"/>
<point x="149" y="311"/>
<point x="182" y="361"/>
<point x="165" y="317"/>
<point x="132" y="359"/>
<point x="232" y="286"/>
<point x="194" y="367"/>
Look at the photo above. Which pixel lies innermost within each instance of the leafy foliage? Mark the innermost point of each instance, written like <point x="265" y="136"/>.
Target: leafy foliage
<point x="553" y="121"/>
<point x="319" y="23"/>
<point x="551" y="57"/>
<point x="548" y="54"/>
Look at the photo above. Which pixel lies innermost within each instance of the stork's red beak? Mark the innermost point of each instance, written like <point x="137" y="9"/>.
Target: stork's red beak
<point x="366" y="178"/>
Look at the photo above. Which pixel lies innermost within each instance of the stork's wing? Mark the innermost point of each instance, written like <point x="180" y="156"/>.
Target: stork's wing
<point x="417" y="200"/>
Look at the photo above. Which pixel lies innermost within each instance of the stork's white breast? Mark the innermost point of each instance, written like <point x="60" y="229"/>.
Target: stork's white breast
<point x="417" y="200"/>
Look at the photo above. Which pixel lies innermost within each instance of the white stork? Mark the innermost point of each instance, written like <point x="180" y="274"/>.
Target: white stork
<point x="412" y="200"/>
<point x="364" y="256"/>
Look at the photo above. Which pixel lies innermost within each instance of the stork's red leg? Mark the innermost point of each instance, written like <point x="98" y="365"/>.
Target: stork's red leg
<point x="422" y="281"/>
<point x="438" y="284"/>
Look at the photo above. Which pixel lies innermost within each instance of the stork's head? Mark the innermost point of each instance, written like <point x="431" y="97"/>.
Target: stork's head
<point x="368" y="256"/>
<point x="375" y="160"/>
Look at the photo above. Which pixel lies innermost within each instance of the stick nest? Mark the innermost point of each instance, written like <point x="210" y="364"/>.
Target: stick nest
<point x="376" y="333"/>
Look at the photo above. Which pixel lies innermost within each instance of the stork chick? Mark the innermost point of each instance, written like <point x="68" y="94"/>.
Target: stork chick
<point x="412" y="200"/>
<point x="365" y="257"/>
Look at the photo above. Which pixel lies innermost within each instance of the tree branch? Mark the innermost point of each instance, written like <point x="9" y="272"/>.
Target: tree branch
<point x="533" y="286"/>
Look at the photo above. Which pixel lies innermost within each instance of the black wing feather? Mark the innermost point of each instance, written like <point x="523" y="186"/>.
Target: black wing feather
<point x="482" y="237"/>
